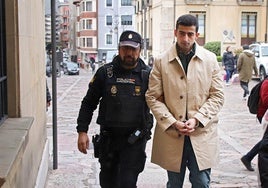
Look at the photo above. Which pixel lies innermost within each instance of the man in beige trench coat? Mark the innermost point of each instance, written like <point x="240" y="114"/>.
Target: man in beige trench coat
<point x="185" y="95"/>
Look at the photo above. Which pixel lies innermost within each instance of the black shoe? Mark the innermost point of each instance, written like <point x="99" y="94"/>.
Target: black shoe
<point x="247" y="163"/>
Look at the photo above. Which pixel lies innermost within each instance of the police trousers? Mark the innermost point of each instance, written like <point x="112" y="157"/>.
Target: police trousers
<point x="121" y="162"/>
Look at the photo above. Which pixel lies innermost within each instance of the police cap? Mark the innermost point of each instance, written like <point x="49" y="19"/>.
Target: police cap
<point x="130" y="38"/>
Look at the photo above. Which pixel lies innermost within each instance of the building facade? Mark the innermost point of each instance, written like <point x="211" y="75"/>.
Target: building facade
<point x="23" y="136"/>
<point x="64" y="14"/>
<point x="48" y="23"/>
<point x="114" y="17"/>
<point x="86" y="30"/>
<point x="233" y="23"/>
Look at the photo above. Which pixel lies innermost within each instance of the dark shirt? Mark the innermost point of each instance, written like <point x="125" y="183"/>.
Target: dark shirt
<point x="185" y="58"/>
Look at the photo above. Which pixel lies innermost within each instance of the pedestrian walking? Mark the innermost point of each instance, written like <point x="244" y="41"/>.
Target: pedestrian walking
<point x="246" y="64"/>
<point x="228" y="60"/>
<point x="48" y="96"/>
<point x="125" y="121"/>
<point x="185" y="94"/>
<point x="262" y="107"/>
<point x="92" y="64"/>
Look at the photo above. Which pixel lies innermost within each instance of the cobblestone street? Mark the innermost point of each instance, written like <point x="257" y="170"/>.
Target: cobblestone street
<point x="238" y="130"/>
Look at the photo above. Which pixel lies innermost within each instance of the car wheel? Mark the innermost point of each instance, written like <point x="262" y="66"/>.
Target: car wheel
<point x="262" y="73"/>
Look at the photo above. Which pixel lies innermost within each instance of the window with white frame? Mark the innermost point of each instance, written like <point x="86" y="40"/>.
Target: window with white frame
<point x="109" y="20"/>
<point x="109" y="3"/>
<point x="126" y="3"/>
<point x="83" y="42"/>
<point x="126" y="20"/>
<point x="83" y="6"/>
<point x="89" y="42"/>
<point x="89" y="6"/>
<point x="109" y="39"/>
<point x="89" y="24"/>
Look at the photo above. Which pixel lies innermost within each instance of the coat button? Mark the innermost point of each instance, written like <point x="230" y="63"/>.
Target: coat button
<point x="180" y="116"/>
<point x="179" y="135"/>
<point x="182" y="77"/>
<point x="181" y="97"/>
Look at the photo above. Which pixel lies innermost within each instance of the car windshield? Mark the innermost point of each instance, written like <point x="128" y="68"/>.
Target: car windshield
<point x="264" y="50"/>
<point x="72" y="65"/>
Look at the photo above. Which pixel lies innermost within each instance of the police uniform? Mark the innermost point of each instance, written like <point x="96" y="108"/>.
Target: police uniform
<point x="120" y="94"/>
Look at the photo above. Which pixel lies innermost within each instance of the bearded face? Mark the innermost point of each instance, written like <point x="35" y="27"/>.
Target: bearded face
<point x="129" y="56"/>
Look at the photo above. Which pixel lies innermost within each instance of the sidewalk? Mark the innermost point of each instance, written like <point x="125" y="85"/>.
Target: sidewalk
<point x="238" y="129"/>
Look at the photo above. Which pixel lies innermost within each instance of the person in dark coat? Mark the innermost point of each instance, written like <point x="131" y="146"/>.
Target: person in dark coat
<point x="48" y="95"/>
<point x="228" y="60"/>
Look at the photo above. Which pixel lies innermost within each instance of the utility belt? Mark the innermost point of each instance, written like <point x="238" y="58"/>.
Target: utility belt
<point x="100" y="139"/>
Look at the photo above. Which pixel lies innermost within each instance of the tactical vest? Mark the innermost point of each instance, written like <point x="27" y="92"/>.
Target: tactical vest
<point x="124" y="98"/>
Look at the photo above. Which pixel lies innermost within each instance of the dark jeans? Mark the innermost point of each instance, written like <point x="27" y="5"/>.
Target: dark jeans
<point x="244" y="86"/>
<point x="198" y="179"/>
<point x="229" y="74"/>
<point x="255" y="150"/>
<point x="121" y="162"/>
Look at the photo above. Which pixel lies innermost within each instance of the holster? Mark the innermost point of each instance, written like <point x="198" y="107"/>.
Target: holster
<point x="96" y="139"/>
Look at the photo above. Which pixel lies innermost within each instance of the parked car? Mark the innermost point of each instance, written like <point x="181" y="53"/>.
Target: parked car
<point x="261" y="55"/>
<point x="70" y="67"/>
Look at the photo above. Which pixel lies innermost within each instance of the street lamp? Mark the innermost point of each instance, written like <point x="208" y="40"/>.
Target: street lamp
<point x="144" y="30"/>
<point x="115" y="25"/>
<point x="115" y="31"/>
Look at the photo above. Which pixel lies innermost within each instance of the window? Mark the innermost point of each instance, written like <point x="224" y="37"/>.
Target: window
<point x="109" y="3"/>
<point x="109" y="20"/>
<point x="89" y="42"/>
<point x="83" y="6"/>
<point x="3" y="72"/>
<point x="88" y="24"/>
<point x="201" y="16"/>
<point x="109" y="39"/>
<point x="126" y="20"/>
<point x="248" y="27"/>
<point x="89" y="6"/>
<point x="126" y="3"/>
<point x="82" y="42"/>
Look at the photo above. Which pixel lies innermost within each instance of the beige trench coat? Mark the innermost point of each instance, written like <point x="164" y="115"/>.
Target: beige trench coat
<point x="171" y="94"/>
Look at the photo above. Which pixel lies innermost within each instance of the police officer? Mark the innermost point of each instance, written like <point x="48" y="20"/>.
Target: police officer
<point x="125" y="121"/>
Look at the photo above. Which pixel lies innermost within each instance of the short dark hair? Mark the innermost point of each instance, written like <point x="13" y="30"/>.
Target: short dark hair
<point x="187" y="20"/>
